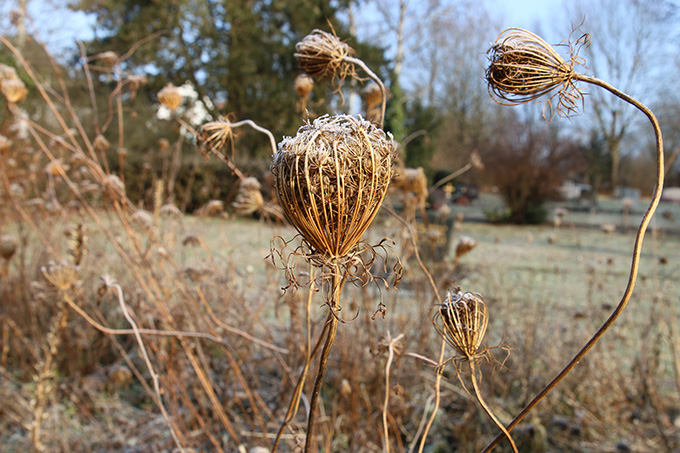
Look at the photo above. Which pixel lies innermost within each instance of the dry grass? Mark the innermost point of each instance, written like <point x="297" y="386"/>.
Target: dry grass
<point x="126" y="326"/>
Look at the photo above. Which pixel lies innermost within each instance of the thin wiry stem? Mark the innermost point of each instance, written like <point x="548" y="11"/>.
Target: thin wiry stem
<point x="338" y="282"/>
<point x="482" y="403"/>
<point x="376" y="79"/>
<point x="437" y="394"/>
<point x="149" y="366"/>
<point x="635" y="261"/>
<point x="390" y="357"/>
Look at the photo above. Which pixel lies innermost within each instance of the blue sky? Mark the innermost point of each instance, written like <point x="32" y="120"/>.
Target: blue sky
<point x="61" y="27"/>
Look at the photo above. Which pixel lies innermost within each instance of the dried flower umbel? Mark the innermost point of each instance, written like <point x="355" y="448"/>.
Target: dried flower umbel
<point x="330" y="180"/>
<point x="523" y="67"/>
<point x="170" y="96"/>
<point x="462" y="320"/>
<point x="322" y="54"/>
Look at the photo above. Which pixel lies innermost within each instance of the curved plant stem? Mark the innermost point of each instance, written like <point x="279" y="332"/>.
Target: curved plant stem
<point x="325" y="353"/>
<point x="635" y="262"/>
<point x="482" y="403"/>
<point x="437" y="393"/>
<point x="390" y="345"/>
<point x="377" y="80"/>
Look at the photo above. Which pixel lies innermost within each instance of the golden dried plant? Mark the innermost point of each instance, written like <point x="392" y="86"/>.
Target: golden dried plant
<point x="170" y="96"/>
<point x="523" y="67"/>
<point x="249" y="198"/>
<point x="14" y="90"/>
<point x="303" y="85"/>
<point x="322" y="54"/>
<point x="330" y="180"/>
<point x="462" y="320"/>
<point x="8" y="246"/>
<point x="215" y="135"/>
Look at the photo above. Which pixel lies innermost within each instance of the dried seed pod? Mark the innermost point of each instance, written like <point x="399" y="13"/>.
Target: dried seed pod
<point x="56" y="168"/>
<point x="249" y="198"/>
<point x="5" y="144"/>
<point x="114" y="187"/>
<point x="170" y="96"/>
<point x="372" y="95"/>
<point x="107" y="58"/>
<point x="524" y="67"/>
<point x="476" y="160"/>
<point x="61" y="276"/>
<point x="14" y="90"/>
<point x="215" y="135"/>
<point x="462" y="320"/>
<point x="101" y="144"/>
<point x="7" y="73"/>
<point x="331" y="178"/>
<point x="213" y="208"/>
<point x="322" y="54"/>
<point x="8" y="246"/>
<point x="465" y="245"/>
<point x="303" y="85"/>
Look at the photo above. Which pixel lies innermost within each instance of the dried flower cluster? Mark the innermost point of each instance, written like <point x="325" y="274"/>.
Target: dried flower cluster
<point x="170" y="96"/>
<point x="331" y="178"/>
<point x="462" y="320"/>
<point x="322" y="54"/>
<point x="524" y="67"/>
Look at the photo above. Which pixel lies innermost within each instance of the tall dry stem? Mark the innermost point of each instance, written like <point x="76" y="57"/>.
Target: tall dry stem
<point x="523" y="68"/>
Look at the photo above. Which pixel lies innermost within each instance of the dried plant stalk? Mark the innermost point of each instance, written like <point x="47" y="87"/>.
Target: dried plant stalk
<point x="462" y="321"/>
<point x="509" y="88"/>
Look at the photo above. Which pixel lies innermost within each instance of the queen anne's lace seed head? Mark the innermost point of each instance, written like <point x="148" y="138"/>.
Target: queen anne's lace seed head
<point x="331" y="179"/>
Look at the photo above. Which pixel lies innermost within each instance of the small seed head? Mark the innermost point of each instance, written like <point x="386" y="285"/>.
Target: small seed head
<point x="170" y="96"/>
<point x="14" y="90"/>
<point x="462" y="321"/>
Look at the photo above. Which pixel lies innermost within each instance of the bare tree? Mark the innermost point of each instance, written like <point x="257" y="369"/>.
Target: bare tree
<point x="625" y="46"/>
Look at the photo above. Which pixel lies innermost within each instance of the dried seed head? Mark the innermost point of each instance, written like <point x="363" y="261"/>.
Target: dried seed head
<point x="170" y="210"/>
<point x="249" y="198"/>
<point x="143" y="218"/>
<point x="213" y="208"/>
<point x="14" y="90"/>
<point x="135" y="82"/>
<point x="101" y="144"/>
<point x="476" y="160"/>
<point x="76" y="243"/>
<point x="372" y="95"/>
<point x="170" y="96"/>
<point x="331" y="178"/>
<point x="114" y="187"/>
<point x="5" y="144"/>
<point x="412" y="181"/>
<point x="322" y="54"/>
<point x="215" y="135"/>
<point x="8" y="245"/>
<point x="465" y="245"/>
<point x="61" y="276"/>
<point x="303" y="85"/>
<point x="56" y="168"/>
<point x="163" y="144"/>
<point x="7" y="73"/>
<point x="462" y="320"/>
<point x="523" y="67"/>
<point x="107" y="58"/>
